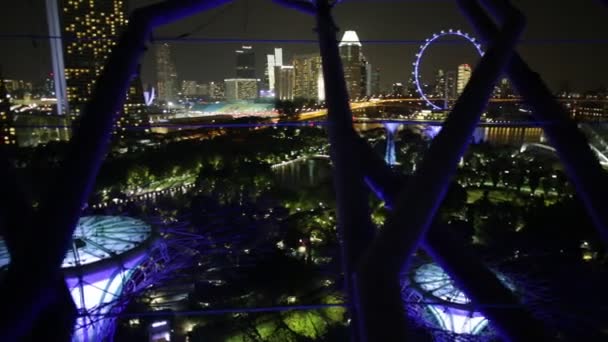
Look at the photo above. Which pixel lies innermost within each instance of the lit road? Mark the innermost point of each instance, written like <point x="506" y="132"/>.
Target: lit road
<point x="403" y="101"/>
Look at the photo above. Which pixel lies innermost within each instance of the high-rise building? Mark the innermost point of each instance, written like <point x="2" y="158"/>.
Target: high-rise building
<point x="245" y="62"/>
<point x="217" y="90"/>
<point x="90" y="31"/>
<point x="272" y="61"/>
<point x="238" y="89"/>
<point x="166" y="73"/>
<point x="284" y="85"/>
<point x="504" y="89"/>
<point x="451" y="84"/>
<point x="398" y="90"/>
<point x="440" y="84"/>
<point x="464" y="74"/>
<point x="354" y="64"/>
<point x="308" y="76"/>
<point x="49" y="86"/>
<point x="374" y="82"/>
<point x="7" y="129"/>
<point x="190" y="88"/>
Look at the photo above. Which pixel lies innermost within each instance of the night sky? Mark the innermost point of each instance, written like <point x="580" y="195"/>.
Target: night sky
<point x="574" y="38"/>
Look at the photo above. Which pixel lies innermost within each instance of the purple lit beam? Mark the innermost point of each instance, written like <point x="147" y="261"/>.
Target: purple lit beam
<point x="417" y="203"/>
<point x="355" y="228"/>
<point x="57" y="219"/>
<point x="479" y="283"/>
<point x="580" y="163"/>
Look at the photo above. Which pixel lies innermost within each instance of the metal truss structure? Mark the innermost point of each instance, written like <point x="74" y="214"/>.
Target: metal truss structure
<point x="372" y="261"/>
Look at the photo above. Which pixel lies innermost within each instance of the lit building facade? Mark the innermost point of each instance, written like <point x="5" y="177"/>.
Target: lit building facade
<point x="217" y="90"/>
<point x="464" y="74"/>
<point x="90" y="31"/>
<point x="166" y="73"/>
<point x="7" y="129"/>
<point x="245" y="62"/>
<point x="440" y="84"/>
<point x="354" y="64"/>
<point x="398" y="90"/>
<point x="189" y="88"/>
<point x="373" y="81"/>
<point x="284" y="84"/>
<point x="237" y="89"/>
<point x="590" y="111"/>
<point x="39" y="128"/>
<point x="272" y="61"/>
<point x="308" y="77"/>
<point x="14" y="86"/>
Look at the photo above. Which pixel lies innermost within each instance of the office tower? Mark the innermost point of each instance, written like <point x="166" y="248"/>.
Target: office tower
<point x="166" y="74"/>
<point x="464" y="74"/>
<point x="450" y="85"/>
<point x="49" y="86"/>
<point x="372" y="80"/>
<point x="284" y="82"/>
<point x="217" y="90"/>
<point x="504" y="89"/>
<point x="7" y="129"/>
<point x="189" y="88"/>
<point x="440" y="85"/>
<point x="272" y="61"/>
<point x="398" y="90"/>
<point x="238" y="89"/>
<point x="245" y="62"/>
<point x="354" y="64"/>
<point x="308" y="77"/>
<point x="90" y="31"/>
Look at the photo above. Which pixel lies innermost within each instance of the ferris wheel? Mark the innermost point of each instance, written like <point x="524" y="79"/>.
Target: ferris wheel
<point x="420" y="54"/>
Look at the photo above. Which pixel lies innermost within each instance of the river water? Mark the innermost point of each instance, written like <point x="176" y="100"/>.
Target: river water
<point x="313" y="171"/>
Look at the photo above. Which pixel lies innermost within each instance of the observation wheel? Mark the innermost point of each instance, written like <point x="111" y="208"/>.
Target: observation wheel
<point x="420" y="54"/>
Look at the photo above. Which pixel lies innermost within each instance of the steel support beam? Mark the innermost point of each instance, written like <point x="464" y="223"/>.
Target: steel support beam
<point x="355" y="228"/>
<point x="54" y="223"/>
<point x="415" y="208"/>
<point x="580" y="163"/>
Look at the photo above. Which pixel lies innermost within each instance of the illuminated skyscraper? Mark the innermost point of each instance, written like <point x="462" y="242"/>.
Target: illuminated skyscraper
<point x="166" y="74"/>
<point x="372" y="80"/>
<point x="238" y="89"/>
<point x="272" y="61"/>
<point x="464" y="74"/>
<point x="284" y="82"/>
<point x="440" y="85"/>
<point x="354" y="64"/>
<point x="308" y="77"/>
<point x="90" y="31"/>
<point x="7" y="129"/>
<point x="245" y="62"/>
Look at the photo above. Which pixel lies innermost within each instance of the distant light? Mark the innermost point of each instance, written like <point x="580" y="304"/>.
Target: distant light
<point x="159" y="324"/>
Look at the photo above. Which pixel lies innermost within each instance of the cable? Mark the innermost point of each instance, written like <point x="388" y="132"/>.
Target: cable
<point x="185" y="38"/>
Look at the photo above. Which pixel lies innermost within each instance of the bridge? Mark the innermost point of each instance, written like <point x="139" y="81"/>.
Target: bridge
<point x="378" y="102"/>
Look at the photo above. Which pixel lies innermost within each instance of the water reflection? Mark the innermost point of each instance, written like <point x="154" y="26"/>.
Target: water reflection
<point x="303" y="172"/>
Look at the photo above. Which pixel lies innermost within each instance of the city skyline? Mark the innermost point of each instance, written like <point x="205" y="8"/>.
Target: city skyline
<point x="571" y="60"/>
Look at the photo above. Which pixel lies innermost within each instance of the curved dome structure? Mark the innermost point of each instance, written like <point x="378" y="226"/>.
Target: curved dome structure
<point x="434" y="301"/>
<point x="105" y="252"/>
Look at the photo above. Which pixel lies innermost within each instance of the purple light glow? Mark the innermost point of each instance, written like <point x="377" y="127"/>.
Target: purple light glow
<point x="423" y="48"/>
<point x="105" y="251"/>
<point x="442" y="305"/>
